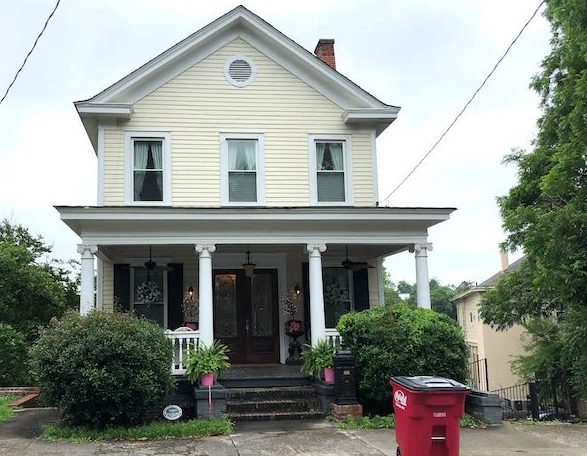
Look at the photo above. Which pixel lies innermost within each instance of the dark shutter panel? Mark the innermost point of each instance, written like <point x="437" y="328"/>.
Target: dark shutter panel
<point x="174" y="295"/>
<point x="306" y="291"/>
<point x="361" y="289"/>
<point x="122" y="286"/>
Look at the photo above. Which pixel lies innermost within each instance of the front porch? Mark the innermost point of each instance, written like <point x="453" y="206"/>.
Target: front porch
<point x="333" y="256"/>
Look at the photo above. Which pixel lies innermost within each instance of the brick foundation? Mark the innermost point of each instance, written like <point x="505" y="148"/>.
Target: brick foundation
<point x="342" y="412"/>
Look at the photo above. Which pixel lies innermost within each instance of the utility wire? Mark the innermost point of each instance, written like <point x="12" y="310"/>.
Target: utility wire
<point x="31" y="51"/>
<point x="386" y="200"/>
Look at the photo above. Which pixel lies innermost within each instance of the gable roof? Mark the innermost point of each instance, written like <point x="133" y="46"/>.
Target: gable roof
<point x="117" y="100"/>
<point x="491" y="281"/>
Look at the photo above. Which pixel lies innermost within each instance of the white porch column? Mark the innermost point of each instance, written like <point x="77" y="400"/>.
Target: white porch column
<point x="317" y="319"/>
<point x="205" y="291"/>
<point x="86" y="296"/>
<point x="422" y="279"/>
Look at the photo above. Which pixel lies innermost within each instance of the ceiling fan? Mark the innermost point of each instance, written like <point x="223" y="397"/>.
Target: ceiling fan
<point x="354" y="265"/>
<point x="151" y="265"/>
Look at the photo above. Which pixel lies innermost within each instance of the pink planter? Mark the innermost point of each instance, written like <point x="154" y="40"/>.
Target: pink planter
<point x="207" y="379"/>
<point x="329" y="375"/>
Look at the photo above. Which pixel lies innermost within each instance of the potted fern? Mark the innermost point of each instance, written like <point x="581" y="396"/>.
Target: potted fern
<point x="318" y="361"/>
<point x="205" y="362"/>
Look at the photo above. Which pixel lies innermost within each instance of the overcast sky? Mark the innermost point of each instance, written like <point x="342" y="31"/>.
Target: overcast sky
<point x="427" y="56"/>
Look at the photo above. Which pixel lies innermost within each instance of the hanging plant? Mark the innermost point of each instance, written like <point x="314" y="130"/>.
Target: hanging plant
<point x="147" y="293"/>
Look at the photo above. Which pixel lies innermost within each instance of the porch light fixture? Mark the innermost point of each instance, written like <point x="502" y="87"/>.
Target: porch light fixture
<point x="249" y="266"/>
<point x="190" y="305"/>
<point x="297" y="290"/>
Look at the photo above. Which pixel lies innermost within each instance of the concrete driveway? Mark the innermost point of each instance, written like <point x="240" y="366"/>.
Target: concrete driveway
<point x="317" y="438"/>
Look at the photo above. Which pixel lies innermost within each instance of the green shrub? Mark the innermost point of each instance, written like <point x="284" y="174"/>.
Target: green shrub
<point x="399" y="340"/>
<point x="103" y="369"/>
<point x="14" y="358"/>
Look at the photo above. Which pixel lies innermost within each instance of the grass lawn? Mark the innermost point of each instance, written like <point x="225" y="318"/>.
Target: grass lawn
<point x="388" y="422"/>
<point x="5" y="411"/>
<point x="153" y="431"/>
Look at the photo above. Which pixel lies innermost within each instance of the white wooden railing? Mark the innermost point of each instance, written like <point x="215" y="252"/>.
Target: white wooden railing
<point x="184" y="340"/>
<point x="333" y="337"/>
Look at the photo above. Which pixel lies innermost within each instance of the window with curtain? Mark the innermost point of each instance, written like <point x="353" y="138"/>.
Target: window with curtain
<point x="330" y="171"/>
<point x="242" y="170"/>
<point x="147" y="170"/>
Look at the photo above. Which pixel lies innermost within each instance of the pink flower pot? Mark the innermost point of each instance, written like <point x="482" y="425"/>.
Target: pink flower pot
<point x="207" y="379"/>
<point x="329" y="375"/>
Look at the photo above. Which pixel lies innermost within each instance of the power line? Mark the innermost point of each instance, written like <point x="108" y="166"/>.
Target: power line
<point x="31" y="51"/>
<point x="386" y="200"/>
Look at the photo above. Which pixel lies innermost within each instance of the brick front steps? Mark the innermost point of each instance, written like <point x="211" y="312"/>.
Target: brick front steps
<point x="272" y="403"/>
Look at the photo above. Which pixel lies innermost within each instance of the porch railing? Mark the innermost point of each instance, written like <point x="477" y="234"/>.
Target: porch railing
<point x="333" y="337"/>
<point x="184" y="341"/>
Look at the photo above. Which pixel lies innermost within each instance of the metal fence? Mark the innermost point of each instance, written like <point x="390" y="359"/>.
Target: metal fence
<point x="478" y="377"/>
<point x="536" y="400"/>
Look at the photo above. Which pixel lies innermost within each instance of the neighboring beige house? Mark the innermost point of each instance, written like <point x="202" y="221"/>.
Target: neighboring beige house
<point x="237" y="140"/>
<point x="491" y="351"/>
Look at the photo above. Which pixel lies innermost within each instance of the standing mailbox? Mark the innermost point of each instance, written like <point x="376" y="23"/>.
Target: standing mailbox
<point x="428" y="411"/>
<point x="345" y="379"/>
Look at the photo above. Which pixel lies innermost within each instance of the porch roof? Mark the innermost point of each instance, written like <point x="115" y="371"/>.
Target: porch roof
<point x="116" y="225"/>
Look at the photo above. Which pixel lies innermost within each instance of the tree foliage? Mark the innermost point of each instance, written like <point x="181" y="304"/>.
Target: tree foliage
<point x="33" y="288"/>
<point x="440" y="295"/>
<point x="545" y="214"/>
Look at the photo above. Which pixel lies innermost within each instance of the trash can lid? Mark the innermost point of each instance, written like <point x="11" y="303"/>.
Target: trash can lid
<point x="429" y="383"/>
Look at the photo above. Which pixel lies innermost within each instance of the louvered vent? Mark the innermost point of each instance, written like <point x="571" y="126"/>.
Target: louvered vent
<point x="240" y="71"/>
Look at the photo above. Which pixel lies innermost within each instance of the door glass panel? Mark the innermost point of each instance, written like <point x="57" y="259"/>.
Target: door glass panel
<point x="225" y="324"/>
<point x="261" y="305"/>
<point x="153" y="310"/>
<point x="337" y="294"/>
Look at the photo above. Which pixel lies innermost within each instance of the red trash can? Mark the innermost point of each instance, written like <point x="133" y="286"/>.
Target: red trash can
<point x="428" y="411"/>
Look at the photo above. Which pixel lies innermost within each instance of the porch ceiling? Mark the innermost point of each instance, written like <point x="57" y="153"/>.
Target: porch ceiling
<point x="258" y="225"/>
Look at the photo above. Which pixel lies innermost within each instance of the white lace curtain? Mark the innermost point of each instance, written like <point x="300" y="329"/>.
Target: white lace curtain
<point x="142" y="155"/>
<point x="242" y="155"/>
<point x="329" y="156"/>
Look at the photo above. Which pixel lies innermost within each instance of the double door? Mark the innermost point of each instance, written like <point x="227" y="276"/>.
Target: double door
<point x="246" y="315"/>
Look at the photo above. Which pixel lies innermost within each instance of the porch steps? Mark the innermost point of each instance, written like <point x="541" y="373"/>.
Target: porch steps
<point x="272" y="403"/>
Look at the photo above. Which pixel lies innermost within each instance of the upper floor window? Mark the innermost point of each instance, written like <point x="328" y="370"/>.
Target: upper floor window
<point x="242" y="177"/>
<point x="148" y="173"/>
<point x="330" y="169"/>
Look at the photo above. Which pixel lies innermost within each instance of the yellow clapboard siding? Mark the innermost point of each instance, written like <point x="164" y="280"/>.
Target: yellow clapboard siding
<point x="200" y="104"/>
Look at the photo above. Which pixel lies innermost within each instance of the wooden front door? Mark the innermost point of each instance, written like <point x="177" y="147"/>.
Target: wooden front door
<point x="246" y="315"/>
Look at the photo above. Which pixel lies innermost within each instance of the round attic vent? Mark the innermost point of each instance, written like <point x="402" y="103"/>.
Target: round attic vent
<point x="239" y="70"/>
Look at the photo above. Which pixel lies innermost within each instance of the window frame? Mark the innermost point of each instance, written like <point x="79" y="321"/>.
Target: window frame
<point x="260" y="168"/>
<point x="336" y="265"/>
<point x="129" y="139"/>
<point x="347" y="168"/>
<point x="164" y="292"/>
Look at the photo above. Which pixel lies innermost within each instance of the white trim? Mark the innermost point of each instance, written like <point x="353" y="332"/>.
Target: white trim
<point x="100" y="153"/>
<point x="370" y="115"/>
<point x="251" y="63"/>
<point x="99" y="283"/>
<point x="347" y="166"/>
<point x="129" y="137"/>
<point x="260" y="168"/>
<point x="263" y="261"/>
<point x="381" y="281"/>
<point x="374" y="167"/>
<point x="131" y="304"/>
<point x="116" y="110"/>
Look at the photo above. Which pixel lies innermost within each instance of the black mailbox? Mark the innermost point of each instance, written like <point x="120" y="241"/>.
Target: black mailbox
<point x="345" y="378"/>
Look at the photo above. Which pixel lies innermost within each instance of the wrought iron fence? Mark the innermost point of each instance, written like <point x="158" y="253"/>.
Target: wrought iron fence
<point x="536" y="400"/>
<point x="478" y="378"/>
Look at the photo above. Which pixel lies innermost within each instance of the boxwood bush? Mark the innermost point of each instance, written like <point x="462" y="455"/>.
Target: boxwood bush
<point x="14" y="359"/>
<point x="401" y="340"/>
<point x="103" y="369"/>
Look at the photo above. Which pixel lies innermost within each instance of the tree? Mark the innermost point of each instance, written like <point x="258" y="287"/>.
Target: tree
<point x="440" y="295"/>
<point x="545" y="214"/>
<point x="33" y="289"/>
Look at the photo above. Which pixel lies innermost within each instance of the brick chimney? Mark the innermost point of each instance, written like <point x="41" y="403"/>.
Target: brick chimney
<point x="325" y="52"/>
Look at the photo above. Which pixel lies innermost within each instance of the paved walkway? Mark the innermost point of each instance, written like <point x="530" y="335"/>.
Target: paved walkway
<point x="298" y="438"/>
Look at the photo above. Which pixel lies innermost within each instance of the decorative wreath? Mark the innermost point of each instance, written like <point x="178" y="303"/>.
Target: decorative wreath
<point x="147" y="293"/>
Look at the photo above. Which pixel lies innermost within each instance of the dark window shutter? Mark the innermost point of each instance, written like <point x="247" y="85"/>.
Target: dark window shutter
<point x="361" y="289"/>
<point x="174" y="295"/>
<point x="122" y="286"/>
<point x="306" y="291"/>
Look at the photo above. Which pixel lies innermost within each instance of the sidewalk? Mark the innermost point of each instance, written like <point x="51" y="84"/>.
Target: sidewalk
<point x="307" y="438"/>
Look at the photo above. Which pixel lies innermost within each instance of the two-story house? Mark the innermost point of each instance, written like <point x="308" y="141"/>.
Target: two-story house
<point x="234" y="168"/>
